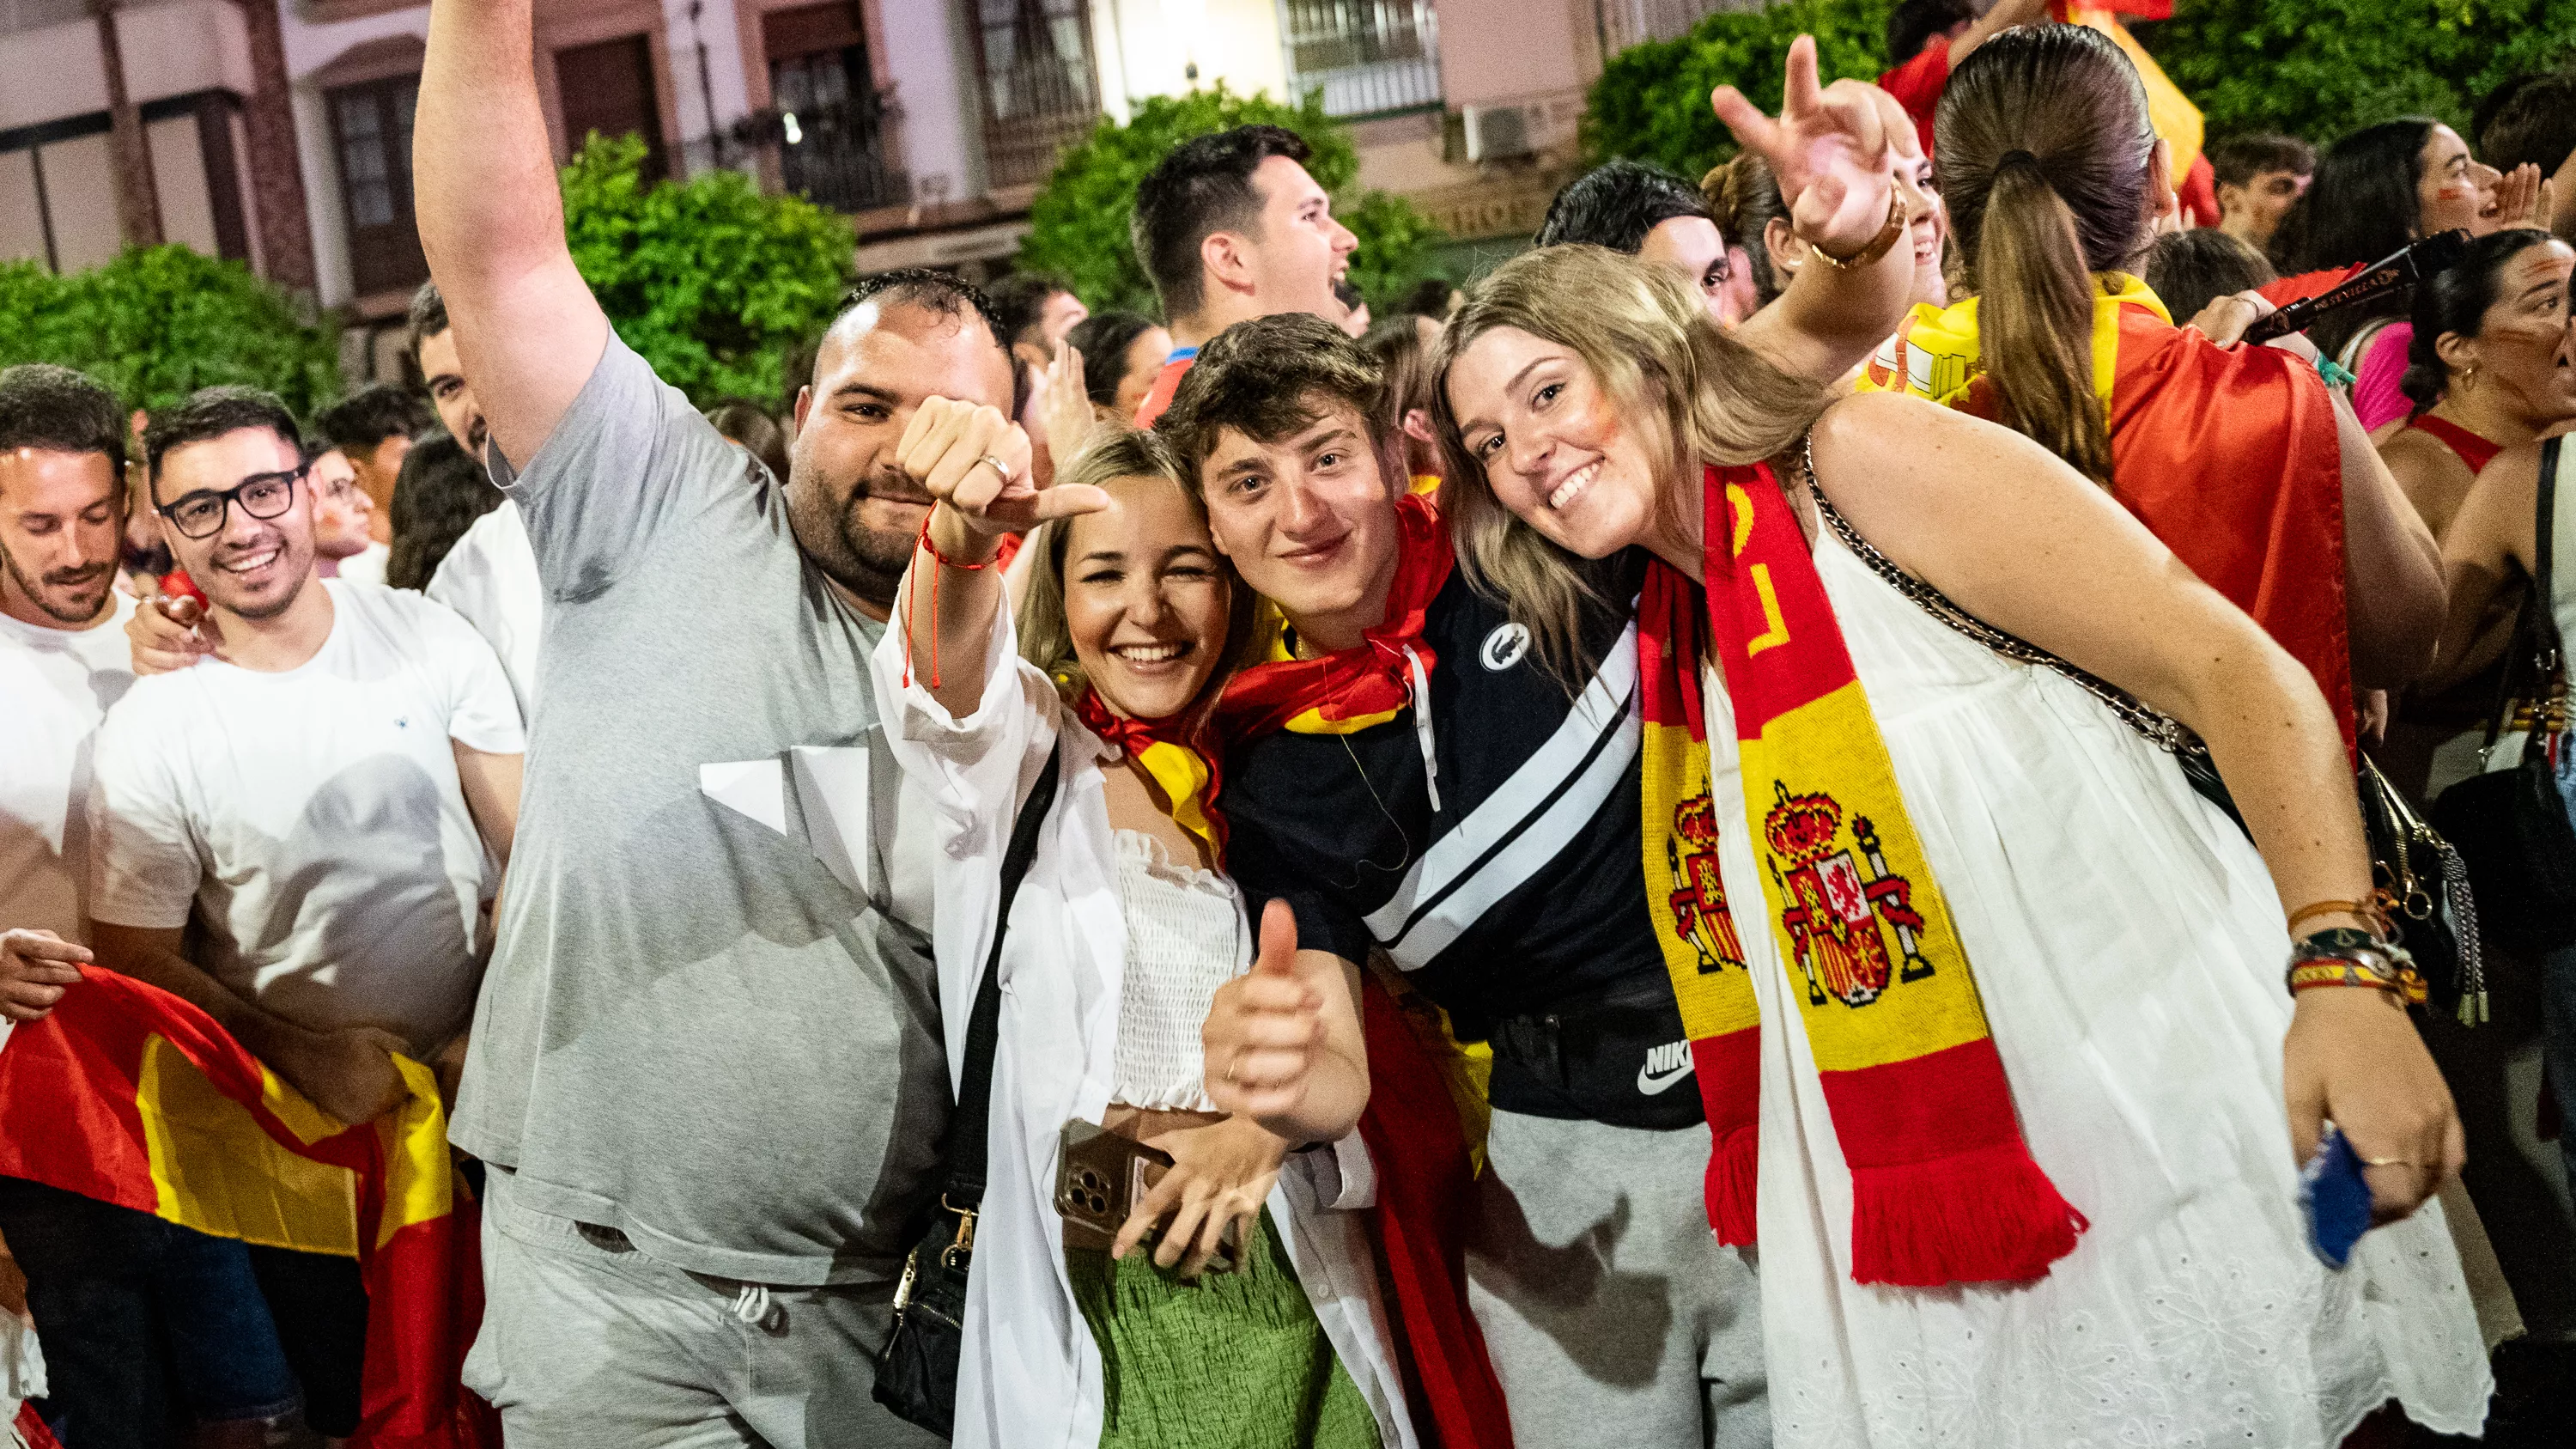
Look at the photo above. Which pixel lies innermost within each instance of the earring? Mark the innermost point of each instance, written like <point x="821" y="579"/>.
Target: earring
<point x="2469" y="376"/>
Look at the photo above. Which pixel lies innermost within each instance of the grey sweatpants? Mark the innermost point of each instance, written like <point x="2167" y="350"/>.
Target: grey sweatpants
<point x="1610" y="1312"/>
<point x="588" y="1344"/>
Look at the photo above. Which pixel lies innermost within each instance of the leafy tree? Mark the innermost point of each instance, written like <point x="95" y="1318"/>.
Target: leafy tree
<point x="1651" y="102"/>
<point x="158" y="323"/>
<point x="710" y="281"/>
<point x="1078" y="223"/>
<point x="2321" y="68"/>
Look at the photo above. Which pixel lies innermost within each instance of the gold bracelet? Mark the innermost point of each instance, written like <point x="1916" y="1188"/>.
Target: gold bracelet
<point x="1879" y="245"/>
<point x="2367" y="909"/>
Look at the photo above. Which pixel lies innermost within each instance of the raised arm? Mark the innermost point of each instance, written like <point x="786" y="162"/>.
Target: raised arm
<point x="2488" y="546"/>
<point x="2076" y="575"/>
<point x="1836" y="151"/>
<point x="491" y="222"/>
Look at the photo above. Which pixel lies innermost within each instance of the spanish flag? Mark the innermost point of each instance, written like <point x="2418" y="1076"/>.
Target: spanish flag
<point x="129" y="1095"/>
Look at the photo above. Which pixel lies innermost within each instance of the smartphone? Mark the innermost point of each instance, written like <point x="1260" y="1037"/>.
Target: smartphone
<point x="2335" y="1198"/>
<point x="1100" y="1177"/>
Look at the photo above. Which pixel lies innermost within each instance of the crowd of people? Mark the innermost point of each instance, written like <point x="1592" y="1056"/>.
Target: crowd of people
<point x="1765" y="825"/>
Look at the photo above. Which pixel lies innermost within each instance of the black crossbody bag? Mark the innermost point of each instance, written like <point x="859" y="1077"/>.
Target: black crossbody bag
<point x="2511" y="824"/>
<point x="917" y="1369"/>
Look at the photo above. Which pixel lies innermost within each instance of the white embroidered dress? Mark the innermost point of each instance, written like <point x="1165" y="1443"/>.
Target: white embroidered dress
<point x="2128" y="947"/>
<point x="1030" y="1376"/>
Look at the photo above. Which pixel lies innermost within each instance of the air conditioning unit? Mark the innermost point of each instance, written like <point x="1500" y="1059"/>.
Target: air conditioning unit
<point x="1499" y="133"/>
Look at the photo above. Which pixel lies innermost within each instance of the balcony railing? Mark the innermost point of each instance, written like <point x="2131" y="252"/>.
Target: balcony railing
<point x="1369" y="57"/>
<point x="1033" y="60"/>
<point x="1624" y="23"/>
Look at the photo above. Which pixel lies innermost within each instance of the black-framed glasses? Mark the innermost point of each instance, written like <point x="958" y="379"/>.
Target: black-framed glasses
<point x="261" y="495"/>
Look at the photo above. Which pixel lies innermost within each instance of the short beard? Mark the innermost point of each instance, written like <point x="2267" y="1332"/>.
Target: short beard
<point x="36" y="594"/>
<point x="861" y="559"/>
<point x="271" y="611"/>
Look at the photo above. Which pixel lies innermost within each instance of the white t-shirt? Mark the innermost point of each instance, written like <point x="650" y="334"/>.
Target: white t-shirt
<point x="490" y="577"/>
<point x="367" y="567"/>
<point x="55" y="686"/>
<point x="313" y="817"/>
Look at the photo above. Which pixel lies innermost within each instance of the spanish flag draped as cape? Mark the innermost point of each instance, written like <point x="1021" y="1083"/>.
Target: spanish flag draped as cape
<point x="129" y="1095"/>
<point x="2227" y="454"/>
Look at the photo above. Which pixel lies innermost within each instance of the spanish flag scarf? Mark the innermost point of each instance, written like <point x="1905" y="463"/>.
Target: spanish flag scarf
<point x="1171" y="752"/>
<point x="1351" y="689"/>
<point x="1943" y="1188"/>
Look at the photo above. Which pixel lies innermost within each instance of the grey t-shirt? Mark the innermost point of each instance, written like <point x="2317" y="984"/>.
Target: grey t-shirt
<point x="692" y="1030"/>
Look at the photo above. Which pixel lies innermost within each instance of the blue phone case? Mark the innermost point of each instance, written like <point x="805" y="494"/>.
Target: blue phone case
<point x="2335" y="1198"/>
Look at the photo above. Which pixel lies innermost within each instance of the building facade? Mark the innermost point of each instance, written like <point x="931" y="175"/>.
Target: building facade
<point x="279" y="131"/>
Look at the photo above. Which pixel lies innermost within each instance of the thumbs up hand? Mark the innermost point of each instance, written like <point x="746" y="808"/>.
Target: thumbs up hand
<point x="1265" y="1028"/>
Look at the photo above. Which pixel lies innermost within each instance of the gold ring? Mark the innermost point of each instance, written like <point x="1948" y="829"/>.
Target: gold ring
<point x="2390" y="1162"/>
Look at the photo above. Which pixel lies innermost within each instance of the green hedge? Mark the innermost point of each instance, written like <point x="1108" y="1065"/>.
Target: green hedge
<point x="2321" y="68"/>
<point x="1651" y="102"/>
<point x="1078" y="223"/>
<point x="710" y="281"/>
<point x="158" y="323"/>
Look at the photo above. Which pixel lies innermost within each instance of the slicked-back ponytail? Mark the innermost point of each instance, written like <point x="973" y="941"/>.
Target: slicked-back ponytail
<point x="2035" y="318"/>
<point x="2043" y="163"/>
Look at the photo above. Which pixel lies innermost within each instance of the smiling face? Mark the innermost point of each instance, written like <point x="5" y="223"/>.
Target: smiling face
<point x="2522" y="343"/>
<point x="1554" y="451"/>
<point x="1146" y="599"/>
<point x="855" y="511"/>
<point x="1692" y="245"/>
<point x="2451" y="190"/>
<point x="1309" y="521"/>
<point x="61" y="533"/>
<point x="251" y="567"/>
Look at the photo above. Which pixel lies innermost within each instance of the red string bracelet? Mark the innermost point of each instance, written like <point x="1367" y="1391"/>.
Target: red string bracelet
<point x="944" y="561"/>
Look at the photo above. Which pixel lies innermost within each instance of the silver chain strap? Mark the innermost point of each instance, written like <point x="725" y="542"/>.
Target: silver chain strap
<point x="2153" y="725"/>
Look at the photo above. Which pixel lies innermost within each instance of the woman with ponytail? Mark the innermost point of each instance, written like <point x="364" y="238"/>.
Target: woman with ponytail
<point x="2239" y="458"/>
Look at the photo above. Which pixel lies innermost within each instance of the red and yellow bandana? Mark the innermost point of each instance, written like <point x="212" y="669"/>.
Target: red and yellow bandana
<point x="1351" y="689"/>
<point x="1176" y="754"/>
<point x="1943" y="1188"/>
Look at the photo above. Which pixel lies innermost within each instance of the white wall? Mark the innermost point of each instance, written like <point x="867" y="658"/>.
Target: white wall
<point x="930" y="56"/>
<point x="1146" y="47"/>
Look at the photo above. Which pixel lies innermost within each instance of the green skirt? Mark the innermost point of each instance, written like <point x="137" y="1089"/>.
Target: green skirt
<point x="1233" y="1361"/>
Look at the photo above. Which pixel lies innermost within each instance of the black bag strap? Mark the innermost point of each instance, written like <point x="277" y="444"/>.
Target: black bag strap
<point x="966" y="1128"/>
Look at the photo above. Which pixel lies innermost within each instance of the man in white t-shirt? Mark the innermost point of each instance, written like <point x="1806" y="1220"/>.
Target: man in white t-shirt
<point x="330" y="796"/>
<point x="135" y="1314"/>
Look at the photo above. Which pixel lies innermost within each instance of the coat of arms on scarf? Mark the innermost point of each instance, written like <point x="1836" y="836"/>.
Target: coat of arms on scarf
<point x="1698" y="898"/>
<point x="1832" y="912"/>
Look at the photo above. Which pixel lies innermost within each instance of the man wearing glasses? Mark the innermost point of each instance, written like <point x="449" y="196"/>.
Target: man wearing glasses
<point x="322" y="794"/>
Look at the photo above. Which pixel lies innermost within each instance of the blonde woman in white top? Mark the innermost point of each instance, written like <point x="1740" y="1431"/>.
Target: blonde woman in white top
<point x="1121" y="933"/>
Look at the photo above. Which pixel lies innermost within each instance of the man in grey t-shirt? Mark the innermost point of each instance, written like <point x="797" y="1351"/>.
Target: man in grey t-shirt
<point x="707" y="1064"/>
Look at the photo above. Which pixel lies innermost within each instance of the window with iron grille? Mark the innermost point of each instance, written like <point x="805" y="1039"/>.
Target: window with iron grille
<point x="1035" y="83"/>
<point x="831" y="130"/>
<point x="1369" y="57"/>
<point x="1623" y="23"/>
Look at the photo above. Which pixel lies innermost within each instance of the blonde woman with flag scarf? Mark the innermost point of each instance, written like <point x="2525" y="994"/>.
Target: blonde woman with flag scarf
<point x="1121" y="930"/>
<point x="2240" y="459"/>
<point x="2003" y="997"/>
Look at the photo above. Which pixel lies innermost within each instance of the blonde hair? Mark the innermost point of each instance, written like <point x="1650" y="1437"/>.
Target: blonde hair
<point x="1646" y="337"/>
<point x="1046" y="632"/>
